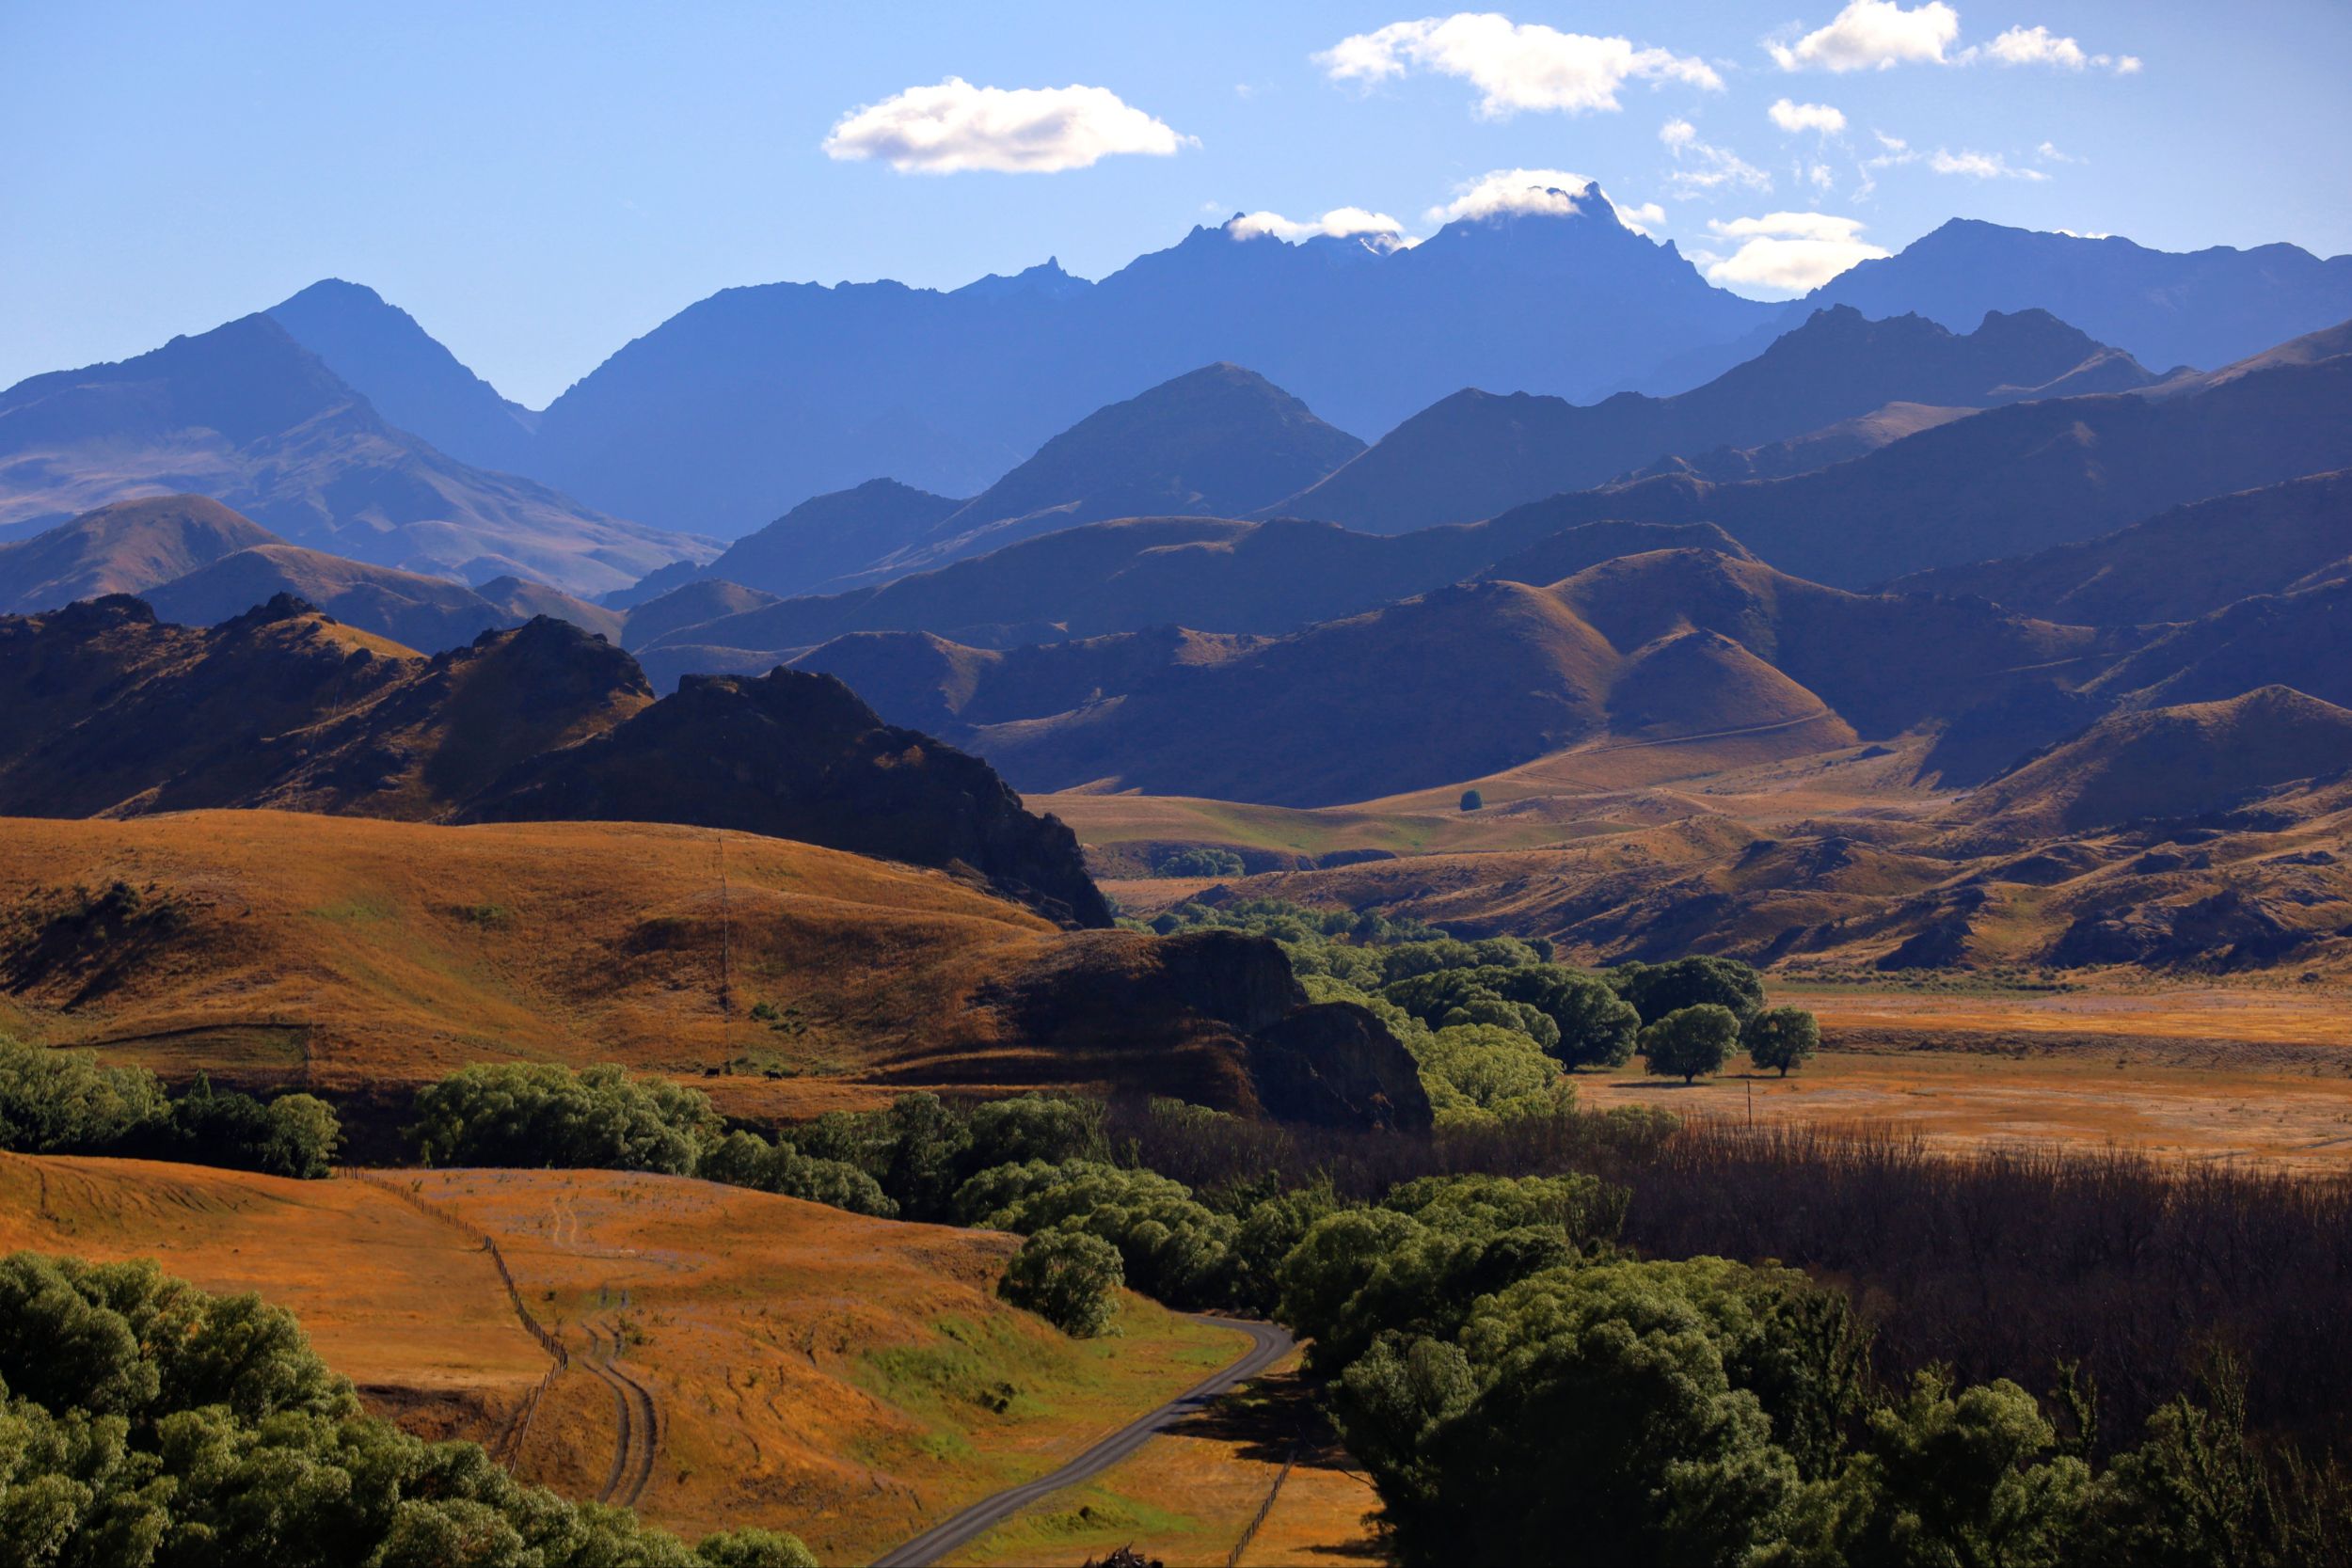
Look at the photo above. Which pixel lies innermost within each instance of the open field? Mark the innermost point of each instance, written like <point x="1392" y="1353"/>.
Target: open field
<point x="845" y="1378"/>
<point x="1259" y="1472"/>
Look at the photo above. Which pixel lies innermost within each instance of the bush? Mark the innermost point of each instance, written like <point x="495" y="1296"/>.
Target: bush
<point x="1473" y="800"/>
<point x="1199" y="861"/>
<point x="1690" y="1040"/>
<point x="543" y="1113"/>
<point x="1471" y="1070"/>
<point x="1781" y="1037"/>
<point x="1068" y="1277"/>
<point x="1173" y="1247"/>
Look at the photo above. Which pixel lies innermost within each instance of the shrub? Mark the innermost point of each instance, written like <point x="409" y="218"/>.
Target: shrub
<point x="1473" y="800"/>
<point x="1781" y="1037"/>
<point x="1173" y="1247"/>
<point x="1068" y="1277"/>
<point x="1690" y="1040"/>
<point x="1469" y="1069"/>
<point x="1199" y="861"/>
<point x="748" y="1160"/>
<point x="543" y="1113"/>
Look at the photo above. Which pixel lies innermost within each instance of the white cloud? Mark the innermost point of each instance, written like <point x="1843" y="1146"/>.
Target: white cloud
<point x="1514" y="66"/>
<point x="955" y="126"/>
<point x="2039" y="46"/>
<point x="1553" y="191"/>
<point x="1873" y="34"/>
<point x="1795" y="117"/>
<point x="1645" y="220"/>
<point x="1788" y="253"/>
<point x="2049" y="154"/>
<point x="1980" y="165"/>
<point x="1893" y="151"/>
<point x="1704" y="167"/>
<point x="1820" y="176"/>
<point x="1383" y="231"/>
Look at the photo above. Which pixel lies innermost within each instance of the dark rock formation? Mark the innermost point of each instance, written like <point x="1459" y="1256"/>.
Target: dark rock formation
<point x="1336" y="1064"/>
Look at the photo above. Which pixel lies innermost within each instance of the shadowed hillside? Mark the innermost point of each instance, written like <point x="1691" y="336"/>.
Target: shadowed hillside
<point x="358" y="957"/>
<point x="1476" y="453"/>
<point x="107" y="712"/>
<point x="2014" y="480"/>
<point x="2179" y="565"/>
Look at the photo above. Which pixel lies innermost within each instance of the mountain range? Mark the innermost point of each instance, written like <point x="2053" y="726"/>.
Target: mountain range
<point x="1477" y="454"/>
<point x="247" y="416"/>
<point x="748" y="402"/>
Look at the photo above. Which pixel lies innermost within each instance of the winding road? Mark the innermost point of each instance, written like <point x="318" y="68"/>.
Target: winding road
<point x="1269" y="1343"/>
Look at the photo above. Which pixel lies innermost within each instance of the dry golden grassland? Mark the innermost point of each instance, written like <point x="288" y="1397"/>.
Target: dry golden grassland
<point x="850" y="1379"/>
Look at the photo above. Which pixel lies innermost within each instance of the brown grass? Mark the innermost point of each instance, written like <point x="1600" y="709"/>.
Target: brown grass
<point x="848" y="1379"/>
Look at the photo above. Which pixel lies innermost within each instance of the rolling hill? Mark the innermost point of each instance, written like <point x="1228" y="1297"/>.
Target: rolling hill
<point x="107" y="712"/>
<point x="1468" y="680"/>
<point x="202" y="564"/>
<point x="2180" y="761"/>
<point x="823" y="538"/>
<point x="245" y="415"/>
<point x="361" y="958"/>
<point x="127" y="547"/>
<point x="1475" y="454"/>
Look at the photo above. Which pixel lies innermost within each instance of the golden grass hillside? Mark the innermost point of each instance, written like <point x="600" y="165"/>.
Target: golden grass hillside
<point x="349" y="956"/>
<point x="848" y="1379"/>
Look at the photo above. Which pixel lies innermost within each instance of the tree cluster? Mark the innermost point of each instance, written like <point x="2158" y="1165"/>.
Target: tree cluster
<point x="68" y="1102"/>
<point x="147" y="1424"/>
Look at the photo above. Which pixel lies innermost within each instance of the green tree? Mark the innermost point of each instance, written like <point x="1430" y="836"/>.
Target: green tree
<point x="1781" y="1037"/>
<point x="543" y="1113"/>
<point x="64" y="1103"/>
<point x="1690" y="1040"/>
<point x="1473" y="800"/>
<point x="1657" y="989"/>
<point x="1068" y="1277"/>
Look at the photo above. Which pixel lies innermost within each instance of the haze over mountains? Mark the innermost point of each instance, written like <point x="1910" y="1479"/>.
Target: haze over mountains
<point x="247" y="416"/>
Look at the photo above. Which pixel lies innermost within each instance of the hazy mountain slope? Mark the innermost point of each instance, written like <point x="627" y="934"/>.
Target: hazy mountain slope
<point x="424" y="613"/>
<point x="410" y="378"/>
<point x="1470" y="680"/>
<point x="746" y="403"/>
<point x="1213" y="575"/>
<point x="702" y="600"/>
<point x="2012" y="481"/>
<point x="1841" y="442"/>
<point x="824" y="538"/>
<point x="245" y="415"/>
<point x="127" y="547"/>
<point x="1220" y="442"/>
<point x="104" y="711"/>
<point x="2204" y="308"/>
<point x="1476" y="453"/>
<point x="519" y="599"/>
<point x="2168" y="762"/>
<point x="2178" y="564"/>
<point x="2302" y="638"/>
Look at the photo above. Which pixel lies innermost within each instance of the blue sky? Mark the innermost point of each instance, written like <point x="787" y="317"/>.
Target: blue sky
<point x="539" y="184"/>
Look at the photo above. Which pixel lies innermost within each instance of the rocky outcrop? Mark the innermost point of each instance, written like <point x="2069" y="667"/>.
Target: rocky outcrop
<point x="1336" y="1064"/>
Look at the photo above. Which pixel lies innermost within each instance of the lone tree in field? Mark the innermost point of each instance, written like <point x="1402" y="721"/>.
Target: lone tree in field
<point x="1691" y="1040"/>
<point x="1068" y="1277"/>
<point x="1473" y="800"/>
<point x="1781" y="1037"/>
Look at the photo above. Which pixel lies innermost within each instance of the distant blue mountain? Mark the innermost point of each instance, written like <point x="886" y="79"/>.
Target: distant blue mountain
<point x="413" y="381"/>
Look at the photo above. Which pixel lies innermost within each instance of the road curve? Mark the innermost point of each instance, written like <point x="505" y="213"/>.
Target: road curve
<point x="1269" y="1343"/>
